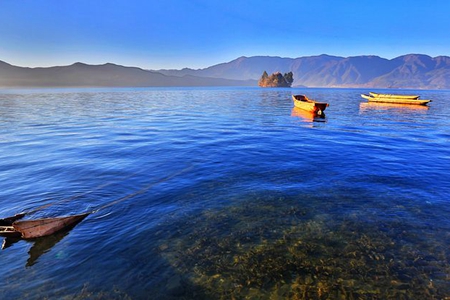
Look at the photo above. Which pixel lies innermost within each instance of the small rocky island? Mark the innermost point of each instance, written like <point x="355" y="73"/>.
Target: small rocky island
<point x="276" y="80"/>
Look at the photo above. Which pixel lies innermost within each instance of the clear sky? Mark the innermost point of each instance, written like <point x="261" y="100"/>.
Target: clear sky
<point x="156" y="34"/>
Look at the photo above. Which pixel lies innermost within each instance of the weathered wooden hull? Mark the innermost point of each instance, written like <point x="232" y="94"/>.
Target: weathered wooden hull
<point x="9" y="220"/>
<point x="396" y="100"/>
<point x="36" y="228"/>
<point x="6" y="228"/>
<point x="302" y="102"/>
<point x="396" y="96"/>
<point x="9" y="231"/>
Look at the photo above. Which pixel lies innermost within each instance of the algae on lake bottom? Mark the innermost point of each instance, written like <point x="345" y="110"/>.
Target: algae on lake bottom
<point x="275" y="249"/>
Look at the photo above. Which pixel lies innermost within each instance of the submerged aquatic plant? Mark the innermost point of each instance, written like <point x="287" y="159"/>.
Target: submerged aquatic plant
<point x="270" y="248"/>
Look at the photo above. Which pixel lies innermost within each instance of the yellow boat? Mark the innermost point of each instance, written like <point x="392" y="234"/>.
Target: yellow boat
<point x="303" y="102"/>
<point x="396" y="96"/>
<point x="395" y="100"/>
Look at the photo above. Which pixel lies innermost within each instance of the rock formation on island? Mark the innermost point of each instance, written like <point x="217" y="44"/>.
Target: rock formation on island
<point x="276" y="80"/>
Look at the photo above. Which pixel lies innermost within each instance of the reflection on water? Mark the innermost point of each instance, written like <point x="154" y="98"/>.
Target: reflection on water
<point x="366" y="106"/>
<point x="42" y="245"/>
<point x="39" y="246"/>
<point x="307" y="116"/>
<point x="9" y="241"/>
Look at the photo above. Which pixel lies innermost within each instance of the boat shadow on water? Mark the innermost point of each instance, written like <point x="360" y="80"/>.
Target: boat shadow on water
<point x="40" y="245"/>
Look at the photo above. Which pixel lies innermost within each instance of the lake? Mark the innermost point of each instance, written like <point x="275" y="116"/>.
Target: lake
<point x="226" y="193"/>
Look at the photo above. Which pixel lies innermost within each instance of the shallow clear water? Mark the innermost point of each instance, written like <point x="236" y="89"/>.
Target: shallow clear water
<point x="233" y="193"/>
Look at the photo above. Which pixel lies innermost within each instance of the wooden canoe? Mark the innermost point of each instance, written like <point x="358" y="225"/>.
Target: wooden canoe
<point x="9" y="231"/>
<point x="6" y="228"/>
<point x="396" y="96"/>
<point x="41" y="227"/>
<point x="396" y="100"/>
<point x="303" y="102"/>
<point x="9" y="220"/>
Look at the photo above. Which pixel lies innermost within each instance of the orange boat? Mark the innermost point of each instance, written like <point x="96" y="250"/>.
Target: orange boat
<point x="303" y="102"/>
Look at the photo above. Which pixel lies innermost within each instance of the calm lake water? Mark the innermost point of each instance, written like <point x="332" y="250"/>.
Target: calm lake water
<point x="221" y="193"/>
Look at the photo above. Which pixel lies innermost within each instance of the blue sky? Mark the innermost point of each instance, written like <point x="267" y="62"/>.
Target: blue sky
<point x="156" y="34"/>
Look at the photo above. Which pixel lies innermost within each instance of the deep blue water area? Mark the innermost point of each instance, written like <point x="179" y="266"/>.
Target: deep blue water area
<point x="222" y="193"/>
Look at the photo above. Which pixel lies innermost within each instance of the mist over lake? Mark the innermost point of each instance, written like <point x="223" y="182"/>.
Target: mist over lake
<point x="236" y="194"/>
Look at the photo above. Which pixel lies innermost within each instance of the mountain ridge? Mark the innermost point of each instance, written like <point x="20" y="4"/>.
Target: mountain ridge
<point x="365" y="71"/>
<point x="105" y="75"/>
<point x="415" y="71"/>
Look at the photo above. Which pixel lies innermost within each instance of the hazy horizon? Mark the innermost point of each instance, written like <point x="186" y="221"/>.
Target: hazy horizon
<point x="196" y="34"/>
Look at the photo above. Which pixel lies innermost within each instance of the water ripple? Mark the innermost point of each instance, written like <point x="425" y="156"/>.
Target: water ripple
<point x="259" y="176"/>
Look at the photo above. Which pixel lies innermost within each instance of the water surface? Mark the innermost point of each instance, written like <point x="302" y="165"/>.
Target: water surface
<point x="235" y="194"/>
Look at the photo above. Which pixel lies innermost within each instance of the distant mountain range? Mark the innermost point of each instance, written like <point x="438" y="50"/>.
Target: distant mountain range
<point x="408" y="71"/>
<point x="107" y="75"/>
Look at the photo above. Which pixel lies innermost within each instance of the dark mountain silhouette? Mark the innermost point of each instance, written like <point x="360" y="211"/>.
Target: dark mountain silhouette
<point x="408" y="71"/>
<point x="107" y="75"/>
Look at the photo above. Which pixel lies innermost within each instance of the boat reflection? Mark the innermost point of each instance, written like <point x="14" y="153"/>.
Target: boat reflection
<point x="368" y="106"/>
<point x="40" y="245"/>
<point x="307" y="116"/>
<point x="9" y="241"/>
